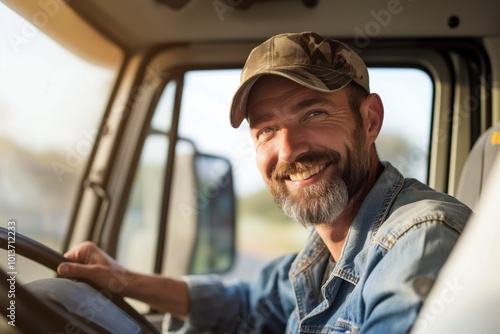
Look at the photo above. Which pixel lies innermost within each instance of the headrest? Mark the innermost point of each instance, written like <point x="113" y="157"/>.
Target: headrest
<point x="478" y="166"/>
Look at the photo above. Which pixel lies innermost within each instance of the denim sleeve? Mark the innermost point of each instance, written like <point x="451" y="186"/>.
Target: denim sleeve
<point x="399" y="283"/>
<point x="262" y="306"/>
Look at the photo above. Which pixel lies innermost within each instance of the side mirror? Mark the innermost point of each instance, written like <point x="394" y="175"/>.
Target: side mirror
<point x="215" y="234"/>
<point x="200" y="228"/>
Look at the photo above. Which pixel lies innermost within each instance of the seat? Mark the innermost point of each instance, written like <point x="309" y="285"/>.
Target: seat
<point x="466" y="295"/>
<point x="478" y="166"/>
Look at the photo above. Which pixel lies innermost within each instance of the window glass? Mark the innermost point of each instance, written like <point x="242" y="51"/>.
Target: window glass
<point x="407" y="95"/>
<point x="51" y="104"/>
<point x="263" y="231"/>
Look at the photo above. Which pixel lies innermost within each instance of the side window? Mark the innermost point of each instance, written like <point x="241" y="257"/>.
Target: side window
<point x="407" y="94"/>
<point x="51" y="105"/>
<point x="263" y="232"/>
<point x="198" y="233"/>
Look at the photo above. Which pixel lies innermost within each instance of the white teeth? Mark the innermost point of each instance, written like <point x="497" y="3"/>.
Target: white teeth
<point x="307" y="174"/>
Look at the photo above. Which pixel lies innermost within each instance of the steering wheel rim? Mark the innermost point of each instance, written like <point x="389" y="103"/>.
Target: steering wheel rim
<point x="51" y="259"/>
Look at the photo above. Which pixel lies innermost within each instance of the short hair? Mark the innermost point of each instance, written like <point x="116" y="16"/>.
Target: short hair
<point x="356" y="95"/>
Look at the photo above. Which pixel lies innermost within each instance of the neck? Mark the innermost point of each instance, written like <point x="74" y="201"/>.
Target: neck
<point x="334" y="234"/>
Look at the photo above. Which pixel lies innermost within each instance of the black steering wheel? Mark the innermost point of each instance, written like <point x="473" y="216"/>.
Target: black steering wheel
<point x="58" y="304"/>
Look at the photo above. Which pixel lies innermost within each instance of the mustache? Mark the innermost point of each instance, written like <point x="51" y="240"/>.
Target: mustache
<point x="303" y="163"/>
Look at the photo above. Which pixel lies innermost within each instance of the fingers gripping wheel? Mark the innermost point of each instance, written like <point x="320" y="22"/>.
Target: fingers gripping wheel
<point x="78" y="303"/>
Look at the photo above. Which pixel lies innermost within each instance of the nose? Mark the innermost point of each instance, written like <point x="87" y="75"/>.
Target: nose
<point x="293" y="143"/>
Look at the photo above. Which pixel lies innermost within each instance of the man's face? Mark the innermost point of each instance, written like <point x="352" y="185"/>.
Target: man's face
<point x="312" y="154"/>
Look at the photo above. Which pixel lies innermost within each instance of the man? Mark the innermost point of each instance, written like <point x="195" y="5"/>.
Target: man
<point x="379" y="240"/>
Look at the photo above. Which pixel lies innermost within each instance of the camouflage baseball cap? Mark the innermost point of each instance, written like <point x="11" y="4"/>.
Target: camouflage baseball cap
<point x="313" y="61"/>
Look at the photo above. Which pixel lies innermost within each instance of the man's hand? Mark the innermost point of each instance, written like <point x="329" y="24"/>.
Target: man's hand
<point x="96" y="266"/>
<point x="93" y="264"/>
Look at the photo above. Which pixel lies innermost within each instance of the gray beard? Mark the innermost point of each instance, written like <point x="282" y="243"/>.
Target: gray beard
<point x="317" y="204"/>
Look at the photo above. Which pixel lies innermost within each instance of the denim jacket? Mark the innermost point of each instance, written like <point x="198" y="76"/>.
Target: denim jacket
<point x="395" y="248"/>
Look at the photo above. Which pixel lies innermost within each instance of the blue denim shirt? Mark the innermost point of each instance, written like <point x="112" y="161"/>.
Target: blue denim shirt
<point x="395" y="248"/>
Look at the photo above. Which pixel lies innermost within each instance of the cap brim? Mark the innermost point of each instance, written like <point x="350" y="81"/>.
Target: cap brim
<point x="309" y="77"/>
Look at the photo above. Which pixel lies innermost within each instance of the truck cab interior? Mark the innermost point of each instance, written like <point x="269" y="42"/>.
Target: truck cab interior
<point x="115" y="129"/>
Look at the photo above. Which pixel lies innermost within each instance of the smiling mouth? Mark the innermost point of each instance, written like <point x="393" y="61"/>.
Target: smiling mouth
<point x="300" y="176"/>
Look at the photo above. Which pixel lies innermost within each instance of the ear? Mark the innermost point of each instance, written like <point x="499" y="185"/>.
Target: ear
<point x="373" y="113"/>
